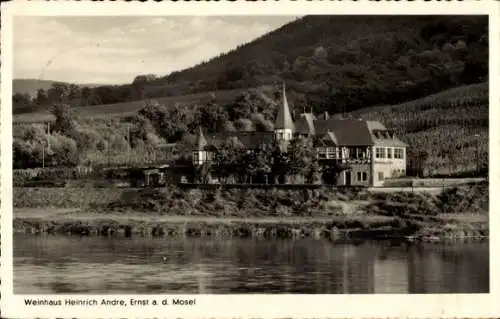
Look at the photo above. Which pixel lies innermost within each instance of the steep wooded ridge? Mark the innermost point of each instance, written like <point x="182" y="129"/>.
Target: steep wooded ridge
<point x="334" y="63"/>
<point x="351" y="61"/>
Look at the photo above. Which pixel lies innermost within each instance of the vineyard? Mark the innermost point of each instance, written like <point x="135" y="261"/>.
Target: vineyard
<point x="452" y="127"/>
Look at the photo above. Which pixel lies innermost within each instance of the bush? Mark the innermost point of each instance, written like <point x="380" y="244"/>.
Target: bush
<point x="63" y="151"/>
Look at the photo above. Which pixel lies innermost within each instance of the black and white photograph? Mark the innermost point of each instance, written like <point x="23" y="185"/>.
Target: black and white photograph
<point x="318" y="154"/>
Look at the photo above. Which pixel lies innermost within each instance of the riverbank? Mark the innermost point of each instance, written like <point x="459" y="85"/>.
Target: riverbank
<point x="356" y="226"/>
<point x="458" y="213"/>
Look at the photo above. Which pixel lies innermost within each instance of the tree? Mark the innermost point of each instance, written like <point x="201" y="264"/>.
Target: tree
<point x="313" y="174"/>
<point x="168" y="122"/>
<point x="64" y="123"/>
<point x="210" y="116"/>
<point x="228" y="159"/>
<point x="260" y="161"/>
<point x="25" y="154"/>
<point x="261" y="124"/>
<point x="331" y="171"/>
<point x="63" y="151"/>
<point x="41" y="97"/>
<point x="418" y="160"/>
<point x="244" y="125"/>
<point x="74" y="92"/>
<point x="280" y="165"/>
<point x="140" y="131"/>
<point x="21" y="100"/>
<point x="202" y="173"/>
<point x="139" y="84"/>
<point x="58" y="93"/>
<point x="301" y="155"/>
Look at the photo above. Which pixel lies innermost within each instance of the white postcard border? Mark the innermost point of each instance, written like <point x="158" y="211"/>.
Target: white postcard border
<point x="256" y="306"/>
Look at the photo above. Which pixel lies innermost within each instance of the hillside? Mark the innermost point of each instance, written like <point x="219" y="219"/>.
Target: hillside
<point x="451" y="127"/>
<point x="123" y="110"/>
<point x="30" y="86"/>
<point x="334" y="63"/>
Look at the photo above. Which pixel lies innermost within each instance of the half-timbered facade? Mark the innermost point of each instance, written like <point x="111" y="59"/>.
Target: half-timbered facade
<point x="371" y="152"/>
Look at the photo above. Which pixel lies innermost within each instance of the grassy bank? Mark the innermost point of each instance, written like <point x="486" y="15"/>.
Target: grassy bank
<point x="457" y="213"/>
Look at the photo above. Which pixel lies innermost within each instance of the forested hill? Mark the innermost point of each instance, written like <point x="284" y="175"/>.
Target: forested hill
<point x="354" y="61"/>
<point x="335" y="63"/>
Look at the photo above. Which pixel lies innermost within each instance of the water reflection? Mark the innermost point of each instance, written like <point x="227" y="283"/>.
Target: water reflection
<point x="60" y="264"/>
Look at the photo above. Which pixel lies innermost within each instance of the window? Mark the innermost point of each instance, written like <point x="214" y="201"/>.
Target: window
<point x="399" y="153"/>
<point x="362" y="153"/>
<point x="196" y="157"/>
<point x="380" y="176"/>
<point x="389" y="152"/>
<point x="362" y="176"/>
<point x="380" y="152"/>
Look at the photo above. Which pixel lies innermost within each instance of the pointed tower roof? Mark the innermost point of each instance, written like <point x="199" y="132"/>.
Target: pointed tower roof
<point x="284" y="118"/>
<point x="201" y="141"/>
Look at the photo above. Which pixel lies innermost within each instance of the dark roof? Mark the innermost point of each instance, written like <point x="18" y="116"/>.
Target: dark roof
<point x="305" y="124"/>
<point x="330" y="132"/>
<point x="346" y="132"/>
<point x="247" y="139"/>
<point x="284" y="117"/>
<point x="327" y="139"/>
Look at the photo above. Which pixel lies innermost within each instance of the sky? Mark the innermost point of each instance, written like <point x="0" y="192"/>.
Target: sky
<point x="113" y="50"/>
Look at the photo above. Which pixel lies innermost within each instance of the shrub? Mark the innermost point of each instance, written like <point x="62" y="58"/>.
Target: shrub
<point x="64" y="151"/>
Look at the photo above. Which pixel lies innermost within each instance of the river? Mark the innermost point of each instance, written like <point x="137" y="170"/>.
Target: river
<point x="101" y="265"/>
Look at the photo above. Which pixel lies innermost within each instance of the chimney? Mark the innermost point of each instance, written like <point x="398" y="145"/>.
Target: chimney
<point x="327" y="116"/>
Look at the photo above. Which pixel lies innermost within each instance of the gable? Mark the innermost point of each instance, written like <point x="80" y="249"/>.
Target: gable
<point x="383" y="136"/>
